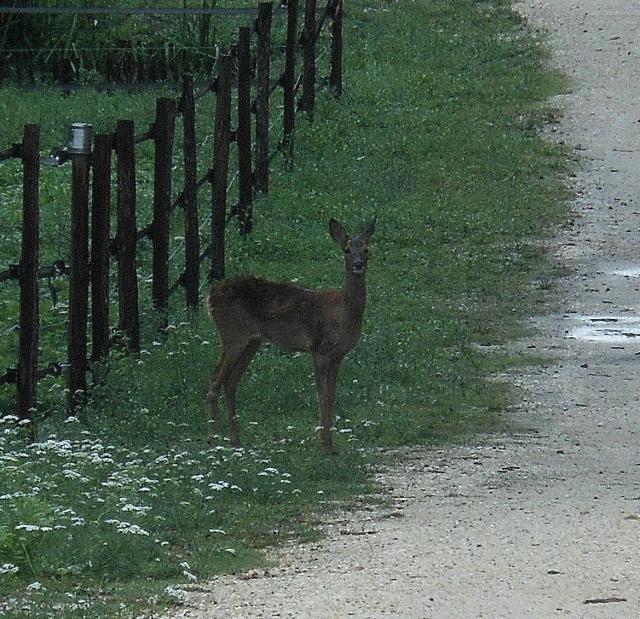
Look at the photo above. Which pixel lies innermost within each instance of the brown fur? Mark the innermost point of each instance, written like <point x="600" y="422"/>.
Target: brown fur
<point x="326" y="323"/>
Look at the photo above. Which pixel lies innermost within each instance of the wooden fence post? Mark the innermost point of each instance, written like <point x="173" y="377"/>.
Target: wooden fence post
<point x="29" y="310"/>
<point x="129" y="321"/>
<point x="263" y="28"/>
<point x="335" y="77"/>
<point x="245" y="182"/>
<point x="190" y="196"/>
<point x="222" y="138"/>
<point x="163" y="131"/>
<point x="100" y="230"/>
<point x="288" y="81"/>
<point x="79" y="282"/>
<point x="308" y="99"/>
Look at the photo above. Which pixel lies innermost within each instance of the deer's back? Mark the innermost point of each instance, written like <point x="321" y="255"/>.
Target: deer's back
<point x="286" y="315"/>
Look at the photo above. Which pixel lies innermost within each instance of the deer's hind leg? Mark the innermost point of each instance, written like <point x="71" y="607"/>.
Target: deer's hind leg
<point x="231" y="383"/>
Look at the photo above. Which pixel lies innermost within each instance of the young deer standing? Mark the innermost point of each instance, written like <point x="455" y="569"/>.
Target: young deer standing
<point x="326" y="323"/>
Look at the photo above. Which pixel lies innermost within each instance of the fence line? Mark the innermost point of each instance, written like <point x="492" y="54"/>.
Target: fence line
<point x="92" y="177"/>
<point x="217" y="11"/>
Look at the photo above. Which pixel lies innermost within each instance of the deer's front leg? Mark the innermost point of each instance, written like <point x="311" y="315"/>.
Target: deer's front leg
<point x="213" y="396"/>
<point x="231" y="386"/>
<point x="229" y="358"/>
<point x="326" y="371"/>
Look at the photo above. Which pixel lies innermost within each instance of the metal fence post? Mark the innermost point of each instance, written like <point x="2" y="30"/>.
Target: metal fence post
<point x="79" y="276"/>
<point x="288" y="81"/>
<point x="245" y="182"/>
<point x="263" y="28"/>
<point x="129" y="320"/>
<point x="222" y="138"/>
<point x="190" y="196"/>
<point x="308" y="99"/>
<point x="29" y="309"/>
<point x="100" y="229"/>
<point x="335" y="77"/>
<point x="163" y="132"/>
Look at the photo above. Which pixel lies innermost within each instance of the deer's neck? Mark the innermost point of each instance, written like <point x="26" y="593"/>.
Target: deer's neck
<point x="355" y="298"/>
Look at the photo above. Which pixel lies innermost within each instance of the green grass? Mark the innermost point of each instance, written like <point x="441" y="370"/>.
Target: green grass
<point x="436" y="135"/>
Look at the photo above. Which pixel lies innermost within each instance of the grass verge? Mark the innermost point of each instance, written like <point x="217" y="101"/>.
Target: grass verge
<point x="436" y="134"/>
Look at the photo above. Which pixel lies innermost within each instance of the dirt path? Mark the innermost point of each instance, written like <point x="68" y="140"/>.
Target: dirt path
<point x="545" y="522"/>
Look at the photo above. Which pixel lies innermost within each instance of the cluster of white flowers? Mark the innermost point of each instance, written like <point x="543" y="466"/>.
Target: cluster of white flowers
<point x="138" y="509"/>
<point x="127" y="527"/>
<point x="9" y="568"/>
<point x="62" y="483"/>
<point x="179" y="596"/>
<point x="30" y="528"/>
<point x="35" y="586"/>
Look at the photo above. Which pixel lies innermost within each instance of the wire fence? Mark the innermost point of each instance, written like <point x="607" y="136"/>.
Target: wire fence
<point x="93" y="248"/>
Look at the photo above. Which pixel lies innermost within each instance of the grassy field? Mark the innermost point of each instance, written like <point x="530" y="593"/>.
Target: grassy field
<point x="436" y="134"/>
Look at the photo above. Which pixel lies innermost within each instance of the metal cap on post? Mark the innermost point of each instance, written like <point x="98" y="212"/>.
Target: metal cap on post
<point x="80" y="137"/>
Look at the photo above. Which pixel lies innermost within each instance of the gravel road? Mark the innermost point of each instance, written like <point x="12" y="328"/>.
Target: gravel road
<point x="543" y="522"/>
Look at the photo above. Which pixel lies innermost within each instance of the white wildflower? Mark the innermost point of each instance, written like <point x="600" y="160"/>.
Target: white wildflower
<point x="178" y="595"/>
<point x="221" y="485"/>
<point x="71" y="474"/>
<point x="127" y="527"/>
<point x="139" y="509"/>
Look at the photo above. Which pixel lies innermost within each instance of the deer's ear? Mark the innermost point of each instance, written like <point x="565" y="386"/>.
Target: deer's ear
<point x="367" y="233"/>
<point x="337" y="233"/>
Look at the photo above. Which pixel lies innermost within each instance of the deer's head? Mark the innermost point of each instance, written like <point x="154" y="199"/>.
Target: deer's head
<point x="354" y="249"/>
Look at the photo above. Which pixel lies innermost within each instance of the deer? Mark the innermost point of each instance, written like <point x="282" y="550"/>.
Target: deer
<point x="249" y="311"/>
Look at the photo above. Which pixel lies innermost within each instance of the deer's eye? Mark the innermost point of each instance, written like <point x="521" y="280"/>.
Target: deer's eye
<point x="347" y="250"/>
